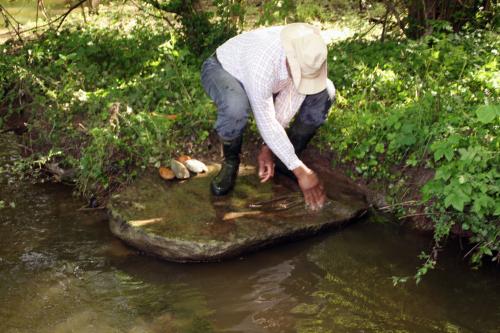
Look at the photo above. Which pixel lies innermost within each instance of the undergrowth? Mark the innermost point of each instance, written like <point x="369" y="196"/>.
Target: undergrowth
<point x="108" y="98"/>
<point x="433" y="105"/>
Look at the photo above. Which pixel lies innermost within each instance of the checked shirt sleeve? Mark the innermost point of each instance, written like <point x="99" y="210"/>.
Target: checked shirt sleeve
<point x="260" y="74"/>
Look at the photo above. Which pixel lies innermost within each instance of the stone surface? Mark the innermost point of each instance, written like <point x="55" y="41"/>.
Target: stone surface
<point x="181" y="221"/>
<point x="166" y="173"/>
<point x="183" y="158"/>
<point x="196" y="166"/>
<point x="179" y="169"/>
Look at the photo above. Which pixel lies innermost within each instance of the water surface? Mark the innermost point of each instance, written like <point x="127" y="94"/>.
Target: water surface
<point x="62" y="271"/>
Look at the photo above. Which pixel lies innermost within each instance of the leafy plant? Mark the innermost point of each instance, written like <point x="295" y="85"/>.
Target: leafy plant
<point x="405" y="106"/>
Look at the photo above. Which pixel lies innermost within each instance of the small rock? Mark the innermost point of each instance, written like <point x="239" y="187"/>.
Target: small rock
<point x="166" y="173"/>
<point x="179" y="169"/>
<point x="183" y="158"/>
<point x="196" y="166"/>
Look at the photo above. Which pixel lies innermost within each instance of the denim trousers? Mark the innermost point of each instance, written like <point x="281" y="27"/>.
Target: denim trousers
<point x="233" y="106"/>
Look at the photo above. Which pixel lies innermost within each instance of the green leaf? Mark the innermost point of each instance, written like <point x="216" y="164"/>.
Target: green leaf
<point x="481" y="203"/>
<point x="487" y="113"/>
<point x="448" y="153"/>
<point x="457" y="199"/>
<point x="443" y="173"/>
<point x="444" y="148"/>
<point x="487" y="251"/>
<point x="497" y="209"/>
<point x="379" y="148"/>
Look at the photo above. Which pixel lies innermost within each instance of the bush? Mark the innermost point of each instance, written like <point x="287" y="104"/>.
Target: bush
<point x="432" y="104"/>
<point x="111" y="100"/>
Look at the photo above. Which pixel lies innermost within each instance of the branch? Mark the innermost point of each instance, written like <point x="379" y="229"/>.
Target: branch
<point x="153" y="15"/>
<point x="393" y="9"/>
<point x="8" y="18"/>
<point x="63" y="17"/>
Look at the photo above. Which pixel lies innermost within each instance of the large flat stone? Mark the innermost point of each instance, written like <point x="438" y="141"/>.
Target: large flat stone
<point x="181" y="221"/>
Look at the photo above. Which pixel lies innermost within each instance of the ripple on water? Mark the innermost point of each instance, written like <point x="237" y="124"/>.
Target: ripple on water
<point x="35" y="260"/>
<point x="62" y="271"/>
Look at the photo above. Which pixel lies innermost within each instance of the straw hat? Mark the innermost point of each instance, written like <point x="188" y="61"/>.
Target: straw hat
<point x="306" y="53"/>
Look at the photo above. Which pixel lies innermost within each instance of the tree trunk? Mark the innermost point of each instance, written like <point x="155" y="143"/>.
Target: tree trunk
<point x="456" y="12"/>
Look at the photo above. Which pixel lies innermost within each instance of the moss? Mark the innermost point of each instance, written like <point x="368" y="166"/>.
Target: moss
<point x="186" y="210"/>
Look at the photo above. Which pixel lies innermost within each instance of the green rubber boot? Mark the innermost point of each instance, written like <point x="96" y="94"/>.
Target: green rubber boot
<point x="299" y="134"/>
<point x="223" y="183"/>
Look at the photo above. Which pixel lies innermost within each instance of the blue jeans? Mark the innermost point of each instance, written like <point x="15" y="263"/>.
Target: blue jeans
<point x="233" y="106"/>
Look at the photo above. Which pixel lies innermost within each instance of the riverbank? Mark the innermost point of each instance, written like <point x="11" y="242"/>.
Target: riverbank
<point x="414" y="121"/>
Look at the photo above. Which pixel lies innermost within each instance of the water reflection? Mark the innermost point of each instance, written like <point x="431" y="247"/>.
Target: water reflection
<point x="62" y="271"/>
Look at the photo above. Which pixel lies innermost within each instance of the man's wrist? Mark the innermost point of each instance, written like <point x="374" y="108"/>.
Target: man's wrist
<point x="301" y="171"/>
<point x="265" y="147"/>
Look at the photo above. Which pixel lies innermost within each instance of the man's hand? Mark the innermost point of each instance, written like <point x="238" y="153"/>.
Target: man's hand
<point x="311" y="186"/>
<point x="266" y="164"/>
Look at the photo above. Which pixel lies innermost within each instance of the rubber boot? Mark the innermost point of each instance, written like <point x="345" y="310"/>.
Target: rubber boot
<point x="299" y="134"/>
<point x="223" y="183"/>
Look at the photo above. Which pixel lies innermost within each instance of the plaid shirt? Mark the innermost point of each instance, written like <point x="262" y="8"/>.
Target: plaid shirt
<point x="257" y="60"/>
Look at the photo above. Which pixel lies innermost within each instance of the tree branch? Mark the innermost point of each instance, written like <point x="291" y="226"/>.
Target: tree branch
<point x="63" y="17"/>
<point x="8" y="19"/>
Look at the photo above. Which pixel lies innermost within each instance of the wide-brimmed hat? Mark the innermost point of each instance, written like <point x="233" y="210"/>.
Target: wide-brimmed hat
<point x="306" y="53"/>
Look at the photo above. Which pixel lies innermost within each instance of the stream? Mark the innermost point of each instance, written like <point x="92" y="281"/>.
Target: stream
<point x="61" y="270"/>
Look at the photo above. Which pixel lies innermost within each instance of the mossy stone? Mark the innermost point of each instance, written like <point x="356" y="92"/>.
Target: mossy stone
<point x="182" y="221"/>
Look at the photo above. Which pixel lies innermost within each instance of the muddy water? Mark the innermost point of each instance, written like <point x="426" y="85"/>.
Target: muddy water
<point x="62" y="271"/>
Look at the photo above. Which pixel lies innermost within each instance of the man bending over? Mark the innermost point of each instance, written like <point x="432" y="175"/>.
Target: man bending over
<point x="277" y="73"/>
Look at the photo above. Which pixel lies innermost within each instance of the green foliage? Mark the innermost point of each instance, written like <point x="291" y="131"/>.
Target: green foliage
<point x="432" y="104"/>
<point x="201" y="31"/>
<point x="112" y="100"/>
<point x="276" y="11"/>
<point x="288" y="11"/>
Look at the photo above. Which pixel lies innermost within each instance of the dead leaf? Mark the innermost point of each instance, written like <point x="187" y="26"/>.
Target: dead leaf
<point x="140" y="223"/>
<point x="236" y="215"/>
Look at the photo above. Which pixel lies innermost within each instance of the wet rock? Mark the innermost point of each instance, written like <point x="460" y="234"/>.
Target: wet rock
<point x="36" y="260"/>
<point x="184" y="222"/>
<point x="183" y="158"/>
<point x="117" y="249"/>
<point x="166" y="173"/>
<point x="60" y="174"/>
<point x="196" y="166"/>
<point x="179" y="169"/>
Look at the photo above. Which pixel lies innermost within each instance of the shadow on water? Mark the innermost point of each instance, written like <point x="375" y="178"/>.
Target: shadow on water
<point x="62" y="271"/>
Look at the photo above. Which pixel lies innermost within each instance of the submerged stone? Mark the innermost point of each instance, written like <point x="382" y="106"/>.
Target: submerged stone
<point x="183" y="221"/>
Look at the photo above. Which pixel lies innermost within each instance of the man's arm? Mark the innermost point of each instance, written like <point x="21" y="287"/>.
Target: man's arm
<point x="258" y="86"/>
